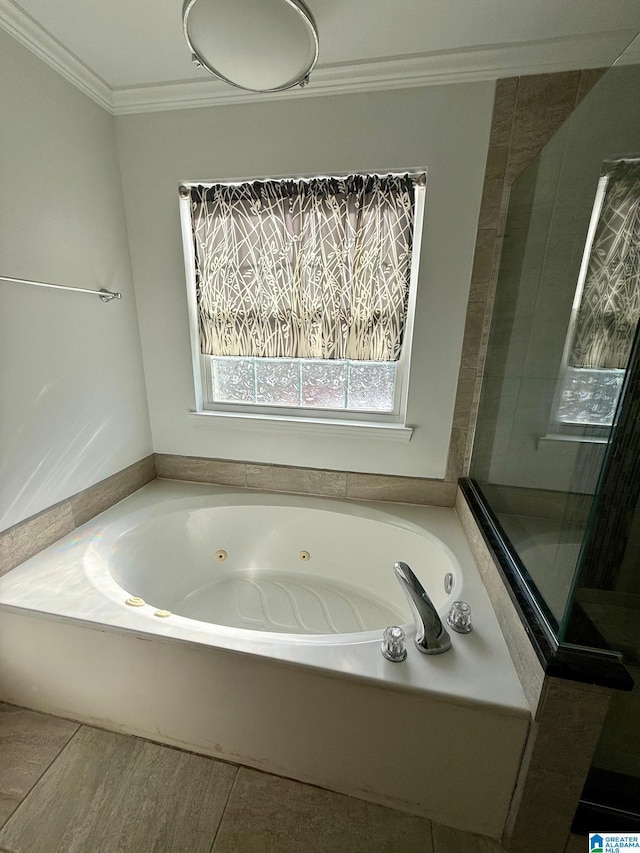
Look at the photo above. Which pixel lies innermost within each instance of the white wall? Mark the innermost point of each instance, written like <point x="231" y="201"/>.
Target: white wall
<point x="444" y="129"/>
<point x="72" y="397"/>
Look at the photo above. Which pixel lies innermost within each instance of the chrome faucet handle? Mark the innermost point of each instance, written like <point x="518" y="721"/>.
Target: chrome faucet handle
<point x="459" y="617"/>
<point x="393" y="645"/>
<point x="431" y="635"/>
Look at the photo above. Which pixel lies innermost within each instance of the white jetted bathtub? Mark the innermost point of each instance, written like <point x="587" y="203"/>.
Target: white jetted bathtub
<point x="247" y="626"/>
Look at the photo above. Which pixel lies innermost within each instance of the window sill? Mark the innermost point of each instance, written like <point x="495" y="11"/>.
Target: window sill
<point x="333" y="428"/>
<point x="558" y="438"/>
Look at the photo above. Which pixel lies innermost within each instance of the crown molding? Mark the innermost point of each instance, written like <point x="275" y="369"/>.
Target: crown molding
<point x="461" y="66"/>
<point x="30" y="34"/>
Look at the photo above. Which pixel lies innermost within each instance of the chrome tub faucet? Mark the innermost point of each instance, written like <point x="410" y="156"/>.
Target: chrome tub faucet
<point x="431" y="635"/>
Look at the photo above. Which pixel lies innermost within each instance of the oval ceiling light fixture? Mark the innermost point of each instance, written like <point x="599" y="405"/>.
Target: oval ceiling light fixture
<point x="257" y="45"/>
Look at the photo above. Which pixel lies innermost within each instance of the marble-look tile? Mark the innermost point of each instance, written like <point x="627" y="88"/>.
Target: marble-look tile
<point x="117" y="794"/>
<point x="571" y="717"/>
<point x="412" y="490"/>
<point x="525" y="660"/>
<point x="491" y="204"/>
<point x="503" y="107"/>
<point x="307" y="481"/>
<point x="472" y="533"/>
<point x="544" y="817"/>
<point x="543" y="103"/>
<point x="455" y="459"/>
<point x="268" y="814"/>
<point x="200" y="470"/>
<point x="29" y="742"/>
<point x="29" y="537"/>
<point x="557" y="759"/>
<point x="473" y="334"/>
<point x="448" y="840"/>
<point x="483" y="258"/>
<point x="496" y="164"/>
<point x="94" y="500"/>
<point x="464" y="397"/>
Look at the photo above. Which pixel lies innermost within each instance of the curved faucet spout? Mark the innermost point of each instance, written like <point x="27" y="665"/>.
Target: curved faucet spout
<point x="431" y="635"/>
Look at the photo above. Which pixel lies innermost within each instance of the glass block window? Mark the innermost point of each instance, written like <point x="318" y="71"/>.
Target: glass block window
<point x="589" y="396"/>
<point x="606" y="303"/>
<point x="311" y="383"/>
<point x="301" y="292"/>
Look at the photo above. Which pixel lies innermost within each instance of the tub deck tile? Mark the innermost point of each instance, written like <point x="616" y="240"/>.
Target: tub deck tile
<point x="29" y="743"/>
<point x="268" y="814"/>
<point x="108" y="792"/>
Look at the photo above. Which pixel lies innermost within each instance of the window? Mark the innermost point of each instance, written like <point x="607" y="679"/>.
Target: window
<point x="606" y="304"/>
<point x="301" y="294"/>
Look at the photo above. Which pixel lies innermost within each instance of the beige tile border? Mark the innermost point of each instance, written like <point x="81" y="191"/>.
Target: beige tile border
<point x="525" y="660"/>
<point x="201" y="470"/>
<point x="307" y="481"/>
<point x="34" y="534"/>
<point x="526" y="113"/>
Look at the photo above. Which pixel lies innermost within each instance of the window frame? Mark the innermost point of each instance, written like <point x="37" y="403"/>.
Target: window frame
<point x="561" y="426"/>
<point x="201" y="364"/>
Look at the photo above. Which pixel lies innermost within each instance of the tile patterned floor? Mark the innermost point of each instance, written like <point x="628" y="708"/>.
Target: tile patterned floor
<point x="70" y="788"/>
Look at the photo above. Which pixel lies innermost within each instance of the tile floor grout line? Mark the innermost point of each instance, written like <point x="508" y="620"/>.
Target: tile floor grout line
<point x="44" y="772"/>
<point x="231" y="790"/>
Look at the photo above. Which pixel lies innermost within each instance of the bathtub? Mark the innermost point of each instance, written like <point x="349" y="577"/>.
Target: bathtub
<point x="247" y="626"/>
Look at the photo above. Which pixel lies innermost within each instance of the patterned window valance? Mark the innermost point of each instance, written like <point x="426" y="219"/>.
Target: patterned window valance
<point x="314" y="268"/>
<point x="610" y="304"/>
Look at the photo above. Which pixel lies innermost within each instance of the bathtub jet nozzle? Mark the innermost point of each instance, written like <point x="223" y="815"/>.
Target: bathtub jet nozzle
<point x="432" y="637"/>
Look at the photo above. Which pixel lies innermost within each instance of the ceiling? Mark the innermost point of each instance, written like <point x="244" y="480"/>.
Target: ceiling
<point x="132" y="56"/>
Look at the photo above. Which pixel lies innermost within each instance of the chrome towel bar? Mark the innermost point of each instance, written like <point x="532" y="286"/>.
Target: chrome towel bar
<point x="105" y="295"/>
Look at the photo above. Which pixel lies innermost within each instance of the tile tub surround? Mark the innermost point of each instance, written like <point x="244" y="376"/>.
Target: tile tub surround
<point x="29" y="537"/>
<point x="34" y="534"/>
<point x="307" y="481"/>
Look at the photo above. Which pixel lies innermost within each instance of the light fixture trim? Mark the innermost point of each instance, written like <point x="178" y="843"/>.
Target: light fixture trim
<point x="303" y="77"/>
